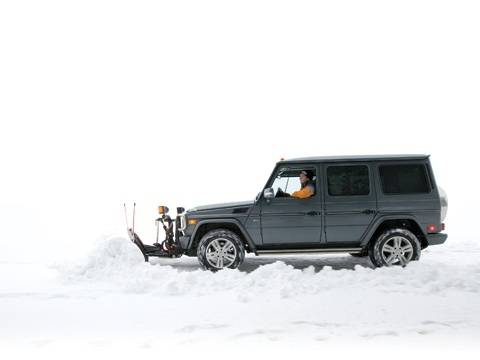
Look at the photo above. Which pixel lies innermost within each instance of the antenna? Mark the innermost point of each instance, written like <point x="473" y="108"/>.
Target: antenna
<point x="133" y="225"/>
<point x="125" y="208"/>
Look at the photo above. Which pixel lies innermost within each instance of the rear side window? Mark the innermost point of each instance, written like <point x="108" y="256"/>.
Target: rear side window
<point x="348" y="180"/>
<point x="404" y="179"/>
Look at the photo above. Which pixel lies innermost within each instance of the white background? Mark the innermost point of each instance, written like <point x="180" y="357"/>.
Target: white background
<point x="193" y="102"/>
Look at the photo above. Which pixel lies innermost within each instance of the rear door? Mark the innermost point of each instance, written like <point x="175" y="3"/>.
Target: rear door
<point x="350" y="201"/>
<point x="408" y="187"/>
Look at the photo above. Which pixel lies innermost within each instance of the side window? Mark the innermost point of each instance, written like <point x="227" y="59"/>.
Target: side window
<point x="404" y="179"/>
<point x="348" y="180"/>
<point x="286" y="183"/>
<point x="288" y="180"/>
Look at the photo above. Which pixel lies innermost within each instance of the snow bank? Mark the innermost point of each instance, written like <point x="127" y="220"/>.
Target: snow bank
<point x="282" y="299"/>
<point x="118" y="264"/>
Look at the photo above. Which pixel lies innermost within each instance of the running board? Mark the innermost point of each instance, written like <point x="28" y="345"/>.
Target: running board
<point x="296" y="251"/>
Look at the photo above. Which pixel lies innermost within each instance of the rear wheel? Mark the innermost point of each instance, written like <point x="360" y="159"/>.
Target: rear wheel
<point x="219" y="249"/>
<point x="395" y="247"/>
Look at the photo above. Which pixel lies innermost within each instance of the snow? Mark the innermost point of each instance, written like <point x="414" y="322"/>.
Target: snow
<point x="315" y="300"/>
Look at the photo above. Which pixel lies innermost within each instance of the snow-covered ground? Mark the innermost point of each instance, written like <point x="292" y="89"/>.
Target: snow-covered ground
<point x="113" y="300"/>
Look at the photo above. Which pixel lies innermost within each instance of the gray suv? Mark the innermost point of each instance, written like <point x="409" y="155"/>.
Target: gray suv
<point x="386" y="207"/>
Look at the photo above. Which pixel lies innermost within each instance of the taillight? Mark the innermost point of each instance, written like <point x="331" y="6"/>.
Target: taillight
<point x="431" y="228"/>
<point x="443" y="226"/>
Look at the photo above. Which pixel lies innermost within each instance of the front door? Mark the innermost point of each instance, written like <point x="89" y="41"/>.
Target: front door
<point x="350" y="202"/>
<point x="288" y="220"/>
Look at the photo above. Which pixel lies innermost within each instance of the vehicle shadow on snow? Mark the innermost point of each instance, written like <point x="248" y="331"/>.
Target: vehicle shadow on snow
<point x="252" y="263"/>
<point x="336" y="262"/>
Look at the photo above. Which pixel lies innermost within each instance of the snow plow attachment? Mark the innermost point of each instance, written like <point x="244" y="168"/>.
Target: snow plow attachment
<point x="169" y="247"/>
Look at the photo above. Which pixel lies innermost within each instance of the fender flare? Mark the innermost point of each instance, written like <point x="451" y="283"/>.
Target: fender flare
<point x="375" y="225"/>
<point x="235" y="222"/>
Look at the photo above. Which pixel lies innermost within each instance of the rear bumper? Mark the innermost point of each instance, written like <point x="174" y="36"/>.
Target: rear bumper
<point x="436" y="239"/>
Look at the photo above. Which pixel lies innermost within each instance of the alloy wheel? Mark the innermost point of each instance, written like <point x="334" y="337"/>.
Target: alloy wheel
<point x="397" y="251"/>
<point x="221" y="253"/>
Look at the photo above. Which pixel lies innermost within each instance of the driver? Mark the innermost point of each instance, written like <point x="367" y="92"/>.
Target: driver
<point x="307" y="188"/>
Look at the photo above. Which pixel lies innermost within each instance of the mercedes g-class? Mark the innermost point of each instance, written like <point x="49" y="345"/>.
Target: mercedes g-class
<point x="386" y="207"/>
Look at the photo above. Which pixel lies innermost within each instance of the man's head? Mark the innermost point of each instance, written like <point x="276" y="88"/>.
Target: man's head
<point x="305" y="176"/>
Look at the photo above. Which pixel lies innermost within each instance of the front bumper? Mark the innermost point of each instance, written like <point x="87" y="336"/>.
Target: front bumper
<point x="436" y="239"/>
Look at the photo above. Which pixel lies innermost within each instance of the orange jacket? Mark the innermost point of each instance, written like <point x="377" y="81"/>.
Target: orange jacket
<point x="304" y="193"/>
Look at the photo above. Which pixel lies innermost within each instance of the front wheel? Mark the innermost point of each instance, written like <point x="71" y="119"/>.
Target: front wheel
<point x="219" y="249"/>
<point x="395" y="247"/>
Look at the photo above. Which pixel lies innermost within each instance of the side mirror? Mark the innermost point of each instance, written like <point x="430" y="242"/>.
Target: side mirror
<point x="268" y="193"/>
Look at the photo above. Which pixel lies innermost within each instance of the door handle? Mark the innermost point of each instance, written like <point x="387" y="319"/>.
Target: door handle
<point x="313" y="213"/>
<point x="368" y="211"/>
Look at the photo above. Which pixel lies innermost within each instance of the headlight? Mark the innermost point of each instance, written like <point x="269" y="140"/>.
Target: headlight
<point x="162" y="210"/>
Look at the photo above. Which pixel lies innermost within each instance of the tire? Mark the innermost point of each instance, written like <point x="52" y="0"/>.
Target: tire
<point x="219" y="249"/>
<point x="395" y="247"/>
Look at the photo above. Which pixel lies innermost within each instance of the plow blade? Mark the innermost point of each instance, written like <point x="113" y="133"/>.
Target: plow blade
<point x="148" y="250"/>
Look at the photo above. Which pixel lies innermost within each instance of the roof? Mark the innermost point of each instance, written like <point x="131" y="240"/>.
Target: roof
<point x="357" y="158"/>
